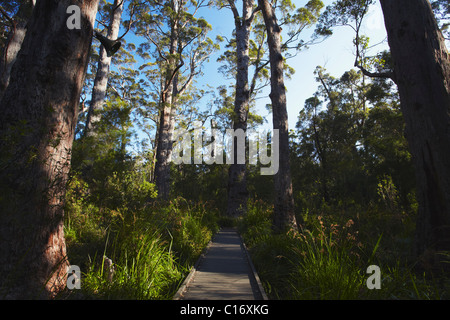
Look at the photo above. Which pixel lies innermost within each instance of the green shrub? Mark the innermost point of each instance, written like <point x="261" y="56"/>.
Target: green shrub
<point x="329" y="264"/>
<point x="191" y="225"/>
<point x="152" y="246"/>
<point x="144" y="268"/>
<point x="328" y="259"/>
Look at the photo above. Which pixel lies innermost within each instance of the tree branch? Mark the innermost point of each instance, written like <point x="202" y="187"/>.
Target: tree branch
<point x="233" y="8"/>
<point x="5" y="14"/>
<point x="175" y="71"/>
<point x="252" y="16"/>
<point x="382" y="75"/>
<point x="133" y="8"/>
<point x="115" y="8"/>
<point x="162" y="56"/>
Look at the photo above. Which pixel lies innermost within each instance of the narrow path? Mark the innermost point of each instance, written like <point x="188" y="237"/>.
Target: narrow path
<point x="225" y="272"/>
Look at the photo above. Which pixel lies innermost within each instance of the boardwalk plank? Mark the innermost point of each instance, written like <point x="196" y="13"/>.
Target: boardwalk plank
<point x="223" y="273"/>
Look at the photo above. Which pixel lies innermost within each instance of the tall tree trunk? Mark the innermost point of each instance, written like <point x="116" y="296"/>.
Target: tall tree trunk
<point x="102" y="75"/>
<point x="284" y="215"/>
<point x="237" y="178"/>
<point x="14" y="43"/>
<point x="166" y="122"/>
<point x="422" y="73"/>
<point x="164" y="147"/>
<point x="38" y="113"/>
<point x="155" y="151"/>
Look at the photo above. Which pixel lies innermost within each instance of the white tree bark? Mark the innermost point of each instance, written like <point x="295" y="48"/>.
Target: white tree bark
<point x="102" y="75"/>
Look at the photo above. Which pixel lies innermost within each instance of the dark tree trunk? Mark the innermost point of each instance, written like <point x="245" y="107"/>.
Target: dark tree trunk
<point x="284" y="215"/>
<point x="422" y="73"/>
<point x="38" y="114"/>
<point x="14" y="43"/>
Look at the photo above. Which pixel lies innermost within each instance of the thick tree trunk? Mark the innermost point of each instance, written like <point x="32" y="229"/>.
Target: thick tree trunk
<point x="164" y="147"/>
<point x="38" y="114"/>
<point x="237" y="178"/>
<point x="284" y="215"/>
<point x="14" y="44"/>
<point x="102" y="75"/>
<point x="422" y="73"/>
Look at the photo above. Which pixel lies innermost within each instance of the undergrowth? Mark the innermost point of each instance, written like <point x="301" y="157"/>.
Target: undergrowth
<point x="328" y="259"/>
<point x="151" y="247"/>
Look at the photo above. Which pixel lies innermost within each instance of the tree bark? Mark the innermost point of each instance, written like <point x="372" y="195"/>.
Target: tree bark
<point x="167" y="117"/>
<point x="422" y="74"/>
<point x="164" y="146"/>
<point x="102" y="75"/>
<point x="14" y="44"/>
<point x="237" y="178"/>
<point x="38" y="113"/>
<point x="284" y="215"/>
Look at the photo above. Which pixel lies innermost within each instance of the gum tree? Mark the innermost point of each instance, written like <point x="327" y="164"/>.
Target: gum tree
<point x="237" y="181"/>
<point x="421" y="71"/>
<point x="180" y="46"/>
<point x="422" y="74"/>
<point x="296" y="21"/>
<point x="284" y="215"/>
<point x="38" y="113"/>
<point x="251" y="50"/>
<point x="103" y="67"/>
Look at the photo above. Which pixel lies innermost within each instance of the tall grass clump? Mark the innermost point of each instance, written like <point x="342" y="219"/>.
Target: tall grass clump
<point x="328" y="259"/>
<point x="144" y="267"/>
<point x="329" y="262"/>
<point x="272" y="254"/>
<point x="151" y="245"/>
<point x="316" y="263"/>
<point x="191" y="226"/>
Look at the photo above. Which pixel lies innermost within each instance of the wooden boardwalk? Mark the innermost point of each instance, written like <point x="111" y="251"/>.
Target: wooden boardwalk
<point x="224" y="272"/>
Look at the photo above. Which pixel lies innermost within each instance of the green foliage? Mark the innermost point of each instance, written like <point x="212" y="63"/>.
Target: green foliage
<point x="191" y="225"/>
<point x="321" y="262"/>
<point x="152" y="247"/>
<point x="256" y="225"/>
<point x="343" y="13"/>
<point x="345" y="142"/>
<point x="127" y="191"/>
<point x="351" y="170"/>
<point x="331" y="261"/>
<point x="328" y="259"/>
<point x="111" y="212"/>
<point x="144" y="268"/>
